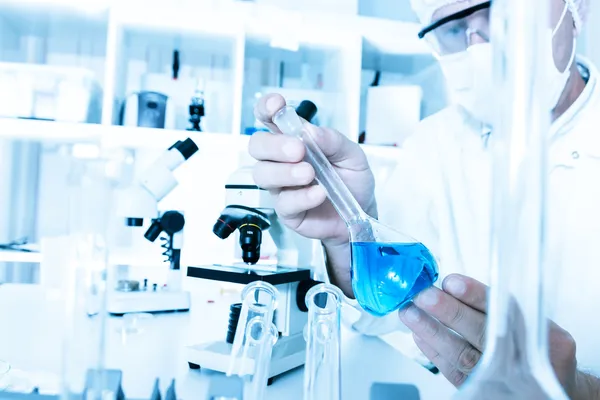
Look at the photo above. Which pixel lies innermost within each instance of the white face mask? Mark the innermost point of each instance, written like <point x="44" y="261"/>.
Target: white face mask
<point x="469" y="78"/>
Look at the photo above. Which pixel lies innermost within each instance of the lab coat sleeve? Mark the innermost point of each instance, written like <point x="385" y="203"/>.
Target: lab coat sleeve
<point x="406" y="203"/>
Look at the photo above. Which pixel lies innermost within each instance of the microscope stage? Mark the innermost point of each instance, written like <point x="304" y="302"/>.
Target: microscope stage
<point x="243" y="274"/>
<point x="289" y="352"/>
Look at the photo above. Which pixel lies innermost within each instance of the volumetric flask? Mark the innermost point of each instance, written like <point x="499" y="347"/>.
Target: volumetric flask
<point x="388" y="267"/>
<point x="93" y="180"/>
<point x="515" y="363"/>
<point x="322" y="374"/>
<point x="254" y="339"/>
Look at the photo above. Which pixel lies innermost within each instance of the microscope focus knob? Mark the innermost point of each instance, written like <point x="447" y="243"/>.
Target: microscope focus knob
<point x="172" y="222"/>
<point x="303" y="288"/>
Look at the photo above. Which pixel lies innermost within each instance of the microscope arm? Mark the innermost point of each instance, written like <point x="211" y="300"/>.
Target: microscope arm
<point x="292" y="249"/>
<point x="176" y="242"/>
<point x="140" y="200"/>
<point x="171" y="225"/>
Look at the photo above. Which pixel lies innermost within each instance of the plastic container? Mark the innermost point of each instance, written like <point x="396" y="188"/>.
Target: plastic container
<point x="34" y="91"/>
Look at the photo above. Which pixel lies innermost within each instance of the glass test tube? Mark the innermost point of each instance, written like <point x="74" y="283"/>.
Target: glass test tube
<point x="255" y="337"/>
<point x="288" y="121"/>
<point x="92" y="182"/>
<point x="515" y="363"/>
<point x="322" y="373"/>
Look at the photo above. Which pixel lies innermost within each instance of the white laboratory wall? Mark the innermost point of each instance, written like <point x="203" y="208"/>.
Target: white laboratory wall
<point x="339" y="7"/>
<point x="52" y="212"/>
<point x="389" y="9"/>
<point x="45" y="38"/>
<point x="403" y="73"/>
<point x="5" y="187"/>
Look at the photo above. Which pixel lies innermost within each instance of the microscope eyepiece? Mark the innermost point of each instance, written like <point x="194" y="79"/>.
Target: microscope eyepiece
<point x="134" y="222"/>
<point x="187" y="148"/>
<point x="154" y="231"/>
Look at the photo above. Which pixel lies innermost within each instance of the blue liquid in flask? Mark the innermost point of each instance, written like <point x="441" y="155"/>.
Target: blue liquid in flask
<point x="386" y="276"/>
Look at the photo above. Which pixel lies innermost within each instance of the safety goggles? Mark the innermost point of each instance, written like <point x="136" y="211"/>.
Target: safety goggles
<point x="456" y="32"/>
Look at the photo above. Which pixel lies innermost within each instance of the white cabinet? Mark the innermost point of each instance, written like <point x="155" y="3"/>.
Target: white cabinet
<point x="309" y="72"/>
<point x="236" y="51"/>
<point x="398" y="89"/>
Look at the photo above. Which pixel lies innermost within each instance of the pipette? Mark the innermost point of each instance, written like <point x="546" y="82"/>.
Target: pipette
<point x="388" y="267"/>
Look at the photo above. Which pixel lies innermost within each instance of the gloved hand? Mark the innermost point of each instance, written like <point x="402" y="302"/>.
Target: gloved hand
<point x="449" y="327"/>
<point x="301" y="205"/>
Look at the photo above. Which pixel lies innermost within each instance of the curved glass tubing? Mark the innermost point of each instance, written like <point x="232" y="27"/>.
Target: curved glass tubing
<point x="255" y="337"/>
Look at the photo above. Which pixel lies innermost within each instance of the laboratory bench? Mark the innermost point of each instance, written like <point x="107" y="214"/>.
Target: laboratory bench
<point x="31" y="333"/>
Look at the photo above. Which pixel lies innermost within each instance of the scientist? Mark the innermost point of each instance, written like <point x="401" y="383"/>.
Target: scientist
<point x="453" y="219"/>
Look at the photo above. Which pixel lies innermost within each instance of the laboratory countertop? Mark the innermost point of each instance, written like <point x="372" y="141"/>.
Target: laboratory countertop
<point x="31" y="332"/>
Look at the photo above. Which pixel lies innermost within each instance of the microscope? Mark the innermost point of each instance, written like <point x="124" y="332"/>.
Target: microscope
<point x="249" y="213"/>
<point x="137" y="203"/>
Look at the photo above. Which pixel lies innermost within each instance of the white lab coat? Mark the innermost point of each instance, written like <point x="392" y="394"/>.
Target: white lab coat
<point x="440" y="194"/>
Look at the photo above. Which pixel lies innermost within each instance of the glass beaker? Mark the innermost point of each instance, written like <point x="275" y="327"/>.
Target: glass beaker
<point x="94" y="175"/>
<point x="322" y="373"/>
<point x="515" y="362"/>
<point x="388" y="267"/>
<point x="255" y="337"/>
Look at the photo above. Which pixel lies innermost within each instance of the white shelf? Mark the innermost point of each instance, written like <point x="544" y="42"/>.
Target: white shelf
<point x="393" y="37"/>
<point x="49" y="131"/>
<point x="382" y="152"/>
<point x="20" y="256"/>
<point x="134" y="137"/>
<point x="112" y="136"/>
<point x="188" y="18"/>
<point x="267" y="22"/>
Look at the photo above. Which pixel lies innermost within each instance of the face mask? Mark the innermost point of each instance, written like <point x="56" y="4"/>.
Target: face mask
<point x="469" y="75"/>
<point x="469" y="78"/>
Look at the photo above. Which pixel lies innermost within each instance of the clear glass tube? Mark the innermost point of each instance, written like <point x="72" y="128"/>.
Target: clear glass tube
<point x="92" y="183"/>
<point x="322" y="373"/>
<point x="389" y="268"/>
<point x="515" y="364"/>
<point x="254" y="339"/>
<point x="345" y="204"/>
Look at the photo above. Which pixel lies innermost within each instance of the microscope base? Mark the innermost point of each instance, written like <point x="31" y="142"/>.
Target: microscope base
<point x="288" y="353"/>
<point x="120" y="303"/>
